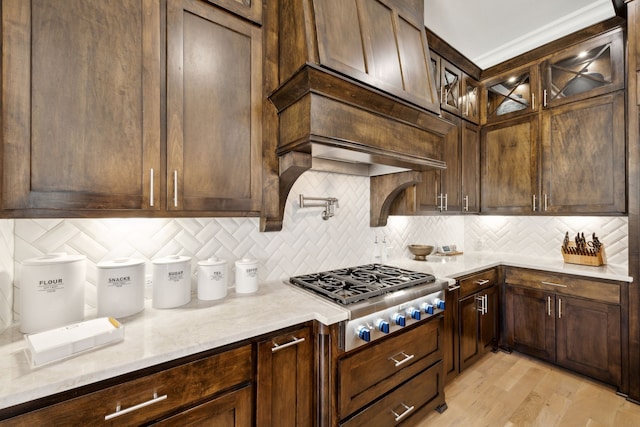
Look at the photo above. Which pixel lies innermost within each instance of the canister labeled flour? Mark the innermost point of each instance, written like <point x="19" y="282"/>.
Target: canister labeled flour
<point x="51" y="291"/>
<point x="120" y="287"/>
<point x="171" y="281"/>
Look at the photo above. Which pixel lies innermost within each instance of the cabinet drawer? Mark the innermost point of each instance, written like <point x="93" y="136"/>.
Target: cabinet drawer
<point x="398" y="405"/>
<point x="475" y="282"/>
<point x="377" y="368"/>
<point x="593" y="289"/>
<point x="182" y="385"/>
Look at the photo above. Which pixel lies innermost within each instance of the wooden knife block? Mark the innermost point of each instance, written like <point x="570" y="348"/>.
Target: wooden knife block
<point x="596" y="260"/>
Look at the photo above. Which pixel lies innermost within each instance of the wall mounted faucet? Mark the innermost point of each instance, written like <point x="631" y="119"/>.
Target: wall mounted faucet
<point x="328" y="203"/>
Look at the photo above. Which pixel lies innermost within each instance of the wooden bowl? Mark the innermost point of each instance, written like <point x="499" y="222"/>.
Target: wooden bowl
<point x="420" y="251"/>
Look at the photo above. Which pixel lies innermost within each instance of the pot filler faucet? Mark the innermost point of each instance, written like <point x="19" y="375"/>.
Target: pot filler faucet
<point x="328" y="203"/>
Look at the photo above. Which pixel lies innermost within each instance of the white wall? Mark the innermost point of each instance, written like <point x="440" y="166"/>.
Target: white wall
<point x="306" y="244"/>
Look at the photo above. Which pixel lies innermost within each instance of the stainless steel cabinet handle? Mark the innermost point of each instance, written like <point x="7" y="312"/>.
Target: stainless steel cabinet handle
<point x="466" y="203"/>
<point x="397" y="362"/>
<point x="549" y="306"/>
<point x="486" y="304"/>
<point x="481" y="282"/>
<point x="480" y="304"/>
<point x="120" y="412"/>
<point x="545" y="202"/>
<point x="544" y="98"/>
<point x="553" y="284"/>
<point x="151" y="187"/>
<point x="453" y="287"/>
<point x="559" y="308"/>
<point x="175" y="189"/>
<point x="533" y="101"/>
<point x="406" y="412"/>
<point x="534" y="203"/>
<point x="278" y="347"/>
<point x="446" y="202"/>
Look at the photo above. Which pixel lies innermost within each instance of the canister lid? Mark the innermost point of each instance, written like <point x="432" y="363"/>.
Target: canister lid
<point x="120" y="262"/>
<point x="171" y="259"/>
<point x="246" y="261"/>
<point x="212" y="261"/>
<point x="54" y="258"/>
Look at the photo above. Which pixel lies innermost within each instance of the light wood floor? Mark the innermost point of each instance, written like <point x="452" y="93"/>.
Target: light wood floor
<point x="514" y="390"/>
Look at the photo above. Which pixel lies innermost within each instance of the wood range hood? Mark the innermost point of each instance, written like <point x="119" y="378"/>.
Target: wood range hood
<point x="357" y="99"/>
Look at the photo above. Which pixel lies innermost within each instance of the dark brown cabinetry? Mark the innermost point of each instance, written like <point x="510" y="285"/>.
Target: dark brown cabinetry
<point x="285" y="380"/>
<point x="83" y="108"/>
<point x="213" y="390"/>
<point x="450" y="340"/>
<point x="512" y="94"/>
<point x="478" y="316"/>
<point x="573" y="322"/>
<point x="213" y="110"/>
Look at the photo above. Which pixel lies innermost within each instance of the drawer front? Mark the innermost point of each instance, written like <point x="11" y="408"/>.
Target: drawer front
<point x="593" y="289"/>
<point x="154" y="395"/>
<point x="399" y="405"/>
<point x="379" y="367"/>
<point x="478" y="281"/>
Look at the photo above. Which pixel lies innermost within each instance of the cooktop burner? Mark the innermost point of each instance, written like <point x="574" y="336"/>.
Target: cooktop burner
<point x="349" y="285"/>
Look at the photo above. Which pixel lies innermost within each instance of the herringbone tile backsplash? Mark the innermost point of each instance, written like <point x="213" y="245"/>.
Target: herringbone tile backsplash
<point x="306" y="244"/>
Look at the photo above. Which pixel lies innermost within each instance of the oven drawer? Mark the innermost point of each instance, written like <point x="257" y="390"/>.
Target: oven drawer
<point x="400" y="404"/>
<point x="377" y="368"/>
<point x="476" y="282"/>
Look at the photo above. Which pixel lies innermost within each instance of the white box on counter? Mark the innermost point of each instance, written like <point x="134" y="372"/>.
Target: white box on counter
<point x="55" y="344"/>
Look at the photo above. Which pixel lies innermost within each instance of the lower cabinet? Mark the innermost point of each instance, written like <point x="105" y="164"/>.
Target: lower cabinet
<point x="478" y="316"/>
<point x="285" y="380"/>
<point x="215" y="390"/>
<point x="570" y="321"/>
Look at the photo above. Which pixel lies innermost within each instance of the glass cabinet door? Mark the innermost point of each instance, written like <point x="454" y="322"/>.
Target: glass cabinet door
<point x="450" y="87"/>
<point x="470" y="99"/>
<point x="589" y="69"/>
<point x="511" y="95"/>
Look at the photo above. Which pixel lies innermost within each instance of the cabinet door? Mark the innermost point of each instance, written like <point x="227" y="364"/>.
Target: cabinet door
<point x="469" y="333"/>
<point x="377" y="43"/>
<point x="583" y="156"/>
<point x="489" y="319"/>
<point x="449" y="199"/>
<point x="470" y="168"/>
<point x="214" y="62"/>
<point x="509" y="166"/>
<point x="285" y="380"/>
<point x="588" y="338"/>
<point x="470" y="107"/>
<point x="229" y="410"/>
<point x="512" y="94"/>
<point x="450" y="342"/>
<point x="530" y="322"/>
<point x="450" y="87"/>
<point x="81" y="104"/>
<point x="588" y="69"/>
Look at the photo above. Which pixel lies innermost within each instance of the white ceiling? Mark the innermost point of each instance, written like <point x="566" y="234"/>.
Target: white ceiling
<point x="491" y="31"/>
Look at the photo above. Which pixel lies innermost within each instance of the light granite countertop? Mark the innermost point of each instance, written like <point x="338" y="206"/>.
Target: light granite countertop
<point x="156" y="336"/>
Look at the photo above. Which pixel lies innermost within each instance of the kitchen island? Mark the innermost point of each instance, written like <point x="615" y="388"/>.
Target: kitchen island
<point x="156" y="336"/>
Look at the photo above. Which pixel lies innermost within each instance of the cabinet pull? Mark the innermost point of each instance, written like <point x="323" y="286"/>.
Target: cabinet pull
<point x="544" y="98"/>
<point x="486" y="304"/>
<point x="545" y="202"/>
<point x="399" y="363"/>
<point x="151" y="187"/>
<point x="480" y="304"/>
<point x="120" y="412"/>
<point x="553" y="284"/>
<point x="481" y="282"/>
<point x="453" y="287"/>
<point x="446" y="201"/>
<point x="559" y="308"/>
<point x="175" y="188"/>
<point x="466" y="203"/>
<point x="278" y="347"/>
<point x="534" y="202"/>
<point x="407" y="410"/>
<point x="533" y="102"/>
<point x="549" y="306"/>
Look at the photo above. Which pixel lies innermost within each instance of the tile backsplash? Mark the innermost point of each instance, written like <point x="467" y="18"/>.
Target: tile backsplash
<point x="307" y="243"/>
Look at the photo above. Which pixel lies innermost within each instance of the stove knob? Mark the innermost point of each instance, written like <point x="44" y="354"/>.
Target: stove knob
<point x="399" y="319"/>
<point x="383" y="326"/>
<point x="439" y="303"/>
<point x="427" y="308"/>
<point x="364" y="333"/>
<point x="414" y="313"/>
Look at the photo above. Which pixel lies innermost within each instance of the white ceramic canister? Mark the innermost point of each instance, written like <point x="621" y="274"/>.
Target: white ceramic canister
<point x="171" y="281"/>
<point x="52" y="291"/>
<point x="120" y="287"/>
<point x="212" y="279"/>
<point x="246" y="276"/>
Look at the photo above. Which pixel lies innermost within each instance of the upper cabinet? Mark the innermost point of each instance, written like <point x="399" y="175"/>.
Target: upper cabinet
<point x="83" y="103"/>
<point x="377" y="42"/>
<point x="589" y="69"/>
<point x="511" y="94"/>
<point x="459" y="93"/>
<point x="470" y="105"/>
